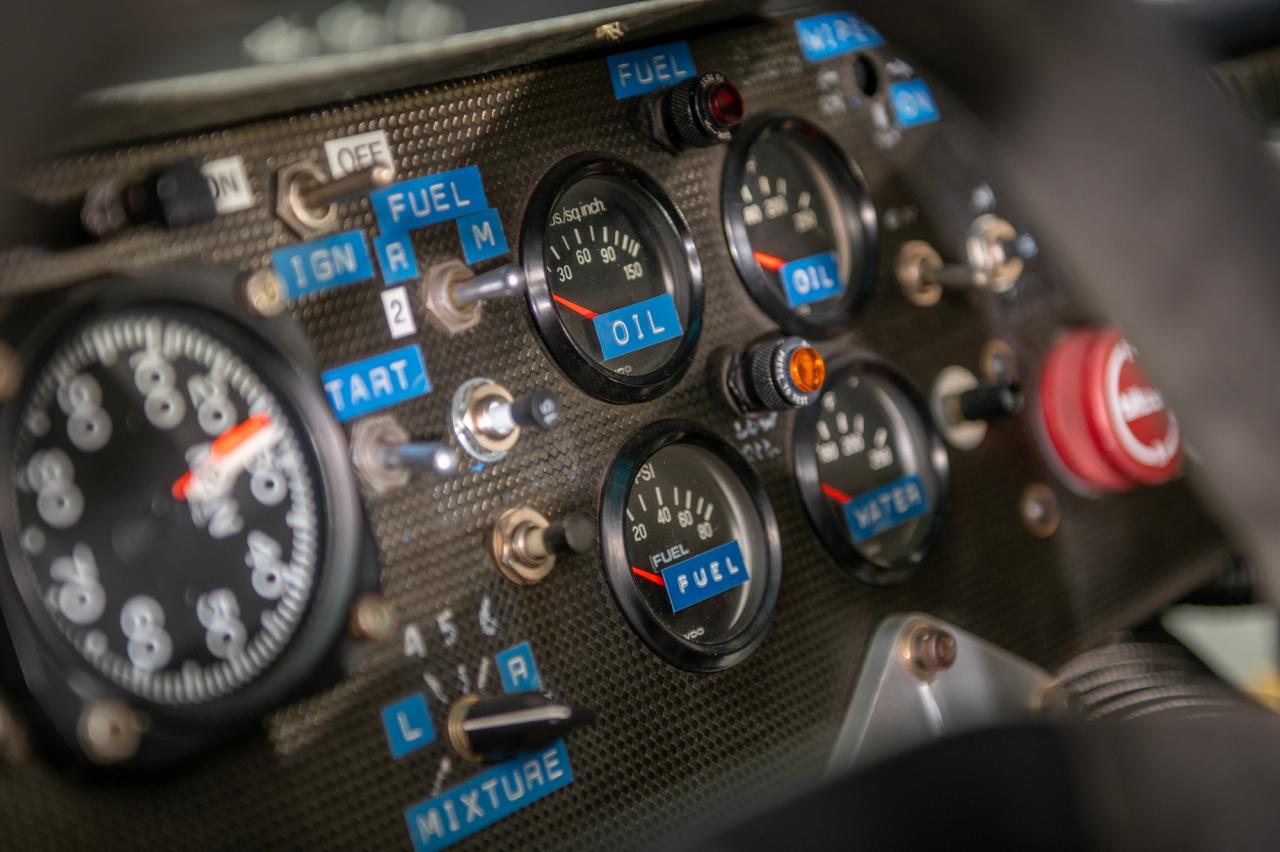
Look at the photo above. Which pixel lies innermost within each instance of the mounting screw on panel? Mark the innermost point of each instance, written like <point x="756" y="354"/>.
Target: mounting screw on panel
<point x="263" y="293"/>
<point x="927" y="651"/>
<point x="1039" y="510"/>
<point x="110" y="731"/>
<point x="373" y="618"/>
<point x="10" y="372"/>
<point x="998" y="361"/>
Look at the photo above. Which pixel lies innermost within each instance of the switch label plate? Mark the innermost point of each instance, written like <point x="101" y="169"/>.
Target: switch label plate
<point x="637" y="326"/>
<point x="880" y="510"/>
<point x="913" y="103"/>
<point x="639" y="72"/>
<point x="826" y="36"/>
<point x="407" y="724"/>
<point x="333" y="261"/>
<point x="812" y="279"/>
<point x="364" y="387"/>
<point x="704" y="576"/>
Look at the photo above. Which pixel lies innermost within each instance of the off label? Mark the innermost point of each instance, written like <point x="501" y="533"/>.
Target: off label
<point x="357" y="153"/>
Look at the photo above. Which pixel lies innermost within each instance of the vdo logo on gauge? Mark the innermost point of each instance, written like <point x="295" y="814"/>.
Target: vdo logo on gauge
<point x="614" y="280"/>
<point x="692" y="551"/>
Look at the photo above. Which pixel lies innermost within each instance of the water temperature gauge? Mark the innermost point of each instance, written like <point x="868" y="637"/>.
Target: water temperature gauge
<point x="691" y="546"/>
<point x="872" y="470"/>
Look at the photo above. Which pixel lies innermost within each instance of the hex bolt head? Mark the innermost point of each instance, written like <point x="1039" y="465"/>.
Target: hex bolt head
<point x="110" y="731"/>
<point x="263" y="293"/>
<point x="929" y="651"/>
<point x="373" y="618"/>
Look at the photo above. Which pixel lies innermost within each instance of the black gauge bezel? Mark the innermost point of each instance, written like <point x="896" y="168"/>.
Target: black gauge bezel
<point x="279" y="355"/>
<point x="676" y="650"/>
<point x="577" y="365"/>
<point x="834" y="537"/>
<point x="855" y="203"/>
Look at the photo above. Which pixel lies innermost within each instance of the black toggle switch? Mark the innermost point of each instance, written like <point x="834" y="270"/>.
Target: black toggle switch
<point x="420" y="457"/>
<point x="173" y="196"/>
<point x="698" y="113"/>
<point x="539" y="409"/>
<point x="486" y="730"/>
<point x="987" y="401"/>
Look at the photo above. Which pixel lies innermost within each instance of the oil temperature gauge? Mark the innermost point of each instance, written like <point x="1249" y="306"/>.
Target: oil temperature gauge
<point x="873" y="472"/>
<point x="800" y="224"/>
<point x="691" y="546"/>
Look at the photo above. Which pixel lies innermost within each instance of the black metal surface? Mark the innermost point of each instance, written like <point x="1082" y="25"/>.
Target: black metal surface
<point x="672" y="750"/>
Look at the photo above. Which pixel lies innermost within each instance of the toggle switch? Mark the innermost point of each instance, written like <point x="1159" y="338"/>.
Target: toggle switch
<point x="525" y="544"/>
<point x="173" y="196"/>
<point x="488" y="421"/>
<point x="455" y="296"/>
<point x="776" y="375"/>
<point x="985" y="401"/>
<point x="486" y="730"/>
<point x="306" y="200"/>
<point x="385" y="456"/>
<point x="698" y="113"/>
<point x="996" y="256"/>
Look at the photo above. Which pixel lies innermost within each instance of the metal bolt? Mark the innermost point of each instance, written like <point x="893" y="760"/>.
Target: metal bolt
<point x="263" y="293"/>
<point x="110" y="731"/>
<point x="998" y="361"/>
<point x="10" y="372"/>
<point x="929" y="651"/>
<point x="1039" y="510"/>
<point x="373" y="618"/>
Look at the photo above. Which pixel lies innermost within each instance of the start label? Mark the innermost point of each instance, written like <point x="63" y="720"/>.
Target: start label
<point x="704" y="576"/>
<point x="880" y="510"/>
<point x="487" y="798"/>
<point x="363" y="387"/>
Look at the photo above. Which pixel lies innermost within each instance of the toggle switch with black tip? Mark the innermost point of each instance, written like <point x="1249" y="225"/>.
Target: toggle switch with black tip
<point x="487" y="730"/>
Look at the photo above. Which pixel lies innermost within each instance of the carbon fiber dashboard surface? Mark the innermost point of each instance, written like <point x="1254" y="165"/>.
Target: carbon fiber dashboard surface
<point x="672" y="751"/>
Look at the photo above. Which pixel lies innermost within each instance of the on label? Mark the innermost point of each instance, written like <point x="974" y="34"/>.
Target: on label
<point x="356" y="153"/>
<point x="229" y="182"/>
<point x="395" y="302"/>
<point x="423" y="201"/>
<point x="913" y="103"/>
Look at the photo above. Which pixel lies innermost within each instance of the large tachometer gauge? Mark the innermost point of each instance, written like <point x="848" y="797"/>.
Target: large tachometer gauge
<point x="171" y="527"/>
<point x="691" y="546"/>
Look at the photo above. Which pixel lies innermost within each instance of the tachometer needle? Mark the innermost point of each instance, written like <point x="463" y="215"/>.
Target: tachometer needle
<point x="648" y="575"/>
<point x="228" y="455"/>
<point x="575" y="307"/>
<point x="836" y="494"/>
<point x="768" y="261"/>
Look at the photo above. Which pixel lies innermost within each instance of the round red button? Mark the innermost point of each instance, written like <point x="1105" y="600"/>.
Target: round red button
<point x="1107" y="424"/>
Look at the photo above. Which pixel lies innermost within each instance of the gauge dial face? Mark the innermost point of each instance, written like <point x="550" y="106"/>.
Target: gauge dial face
<point x="691" y="548"/>
<point x="800" y="225"/>
<point x="168" y="507"/>
<point x="614" y="281"/>
<point x="872" y="469"/>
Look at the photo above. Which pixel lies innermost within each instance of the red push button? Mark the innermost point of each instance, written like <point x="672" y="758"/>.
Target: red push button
<point x="1107" y="424"/>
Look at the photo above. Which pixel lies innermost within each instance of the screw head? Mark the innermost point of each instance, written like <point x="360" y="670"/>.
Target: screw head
<point x="1039" y="510"/>
<point x="110" y="731"/>
<point x="263" y="293"/>
<point x="373" y="618"/>
<point x="929" y="651"/>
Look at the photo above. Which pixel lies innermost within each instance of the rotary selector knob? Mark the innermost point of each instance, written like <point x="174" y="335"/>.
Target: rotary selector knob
<point x="1103" y="419"/>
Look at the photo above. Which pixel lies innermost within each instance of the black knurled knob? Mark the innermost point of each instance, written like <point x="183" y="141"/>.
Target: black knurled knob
<point x="702" y="111"/>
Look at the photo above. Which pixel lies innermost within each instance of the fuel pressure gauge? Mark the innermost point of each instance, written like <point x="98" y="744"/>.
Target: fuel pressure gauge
<point x="691" y="546"/>
<point x="873" y="471"/>
<point x="800" y="224"/>
<point x="614" y="280"/>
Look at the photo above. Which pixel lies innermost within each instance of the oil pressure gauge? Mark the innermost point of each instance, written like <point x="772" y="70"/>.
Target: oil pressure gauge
<point x="873" y="471"/>
<point x="614" y="280"/>
<point x="800" y="224"/>
<point x="691" y="546"/>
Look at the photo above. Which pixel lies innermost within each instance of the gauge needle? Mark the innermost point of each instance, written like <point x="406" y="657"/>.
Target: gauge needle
<point x="228" y="455"/>
<point x="651" y="577"/>
<point x="768" y="261"/>
<point x="836" y="494"/>
<point x="575" y="307"/>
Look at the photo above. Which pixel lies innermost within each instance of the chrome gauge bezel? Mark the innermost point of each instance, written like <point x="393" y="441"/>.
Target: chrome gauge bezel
<point x="61" y="680"/>
<point x="613" y="501"/>
<point x="856" y="205"/>
<point x="805" y="466"/>
<point x="581" y="369"/>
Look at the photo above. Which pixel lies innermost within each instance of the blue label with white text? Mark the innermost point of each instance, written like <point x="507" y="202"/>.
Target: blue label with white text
<point x="516" y="668"/>
<point x="704" y="576"/>
<point x="637" y="326"/>
<point x="395" y="256"/>
<point x="482" y="236"/>
<point x="812" y="279"/>
<point x="333" y="261"/>
<point x="875" y="512"/>
<point x="423" y="201"/>
<point x="487" y="798"/>
<point x="824" y="36"/>
<point x="363" y="387"/>
<point x="639" y="72"/>
<point x="913" y="103"/>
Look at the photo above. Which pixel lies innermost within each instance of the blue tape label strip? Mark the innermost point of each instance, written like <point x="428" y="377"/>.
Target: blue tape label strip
<point x="637" y="326"/>
<point x="517" y="669"/>
<point x="407" y="724"/>
<point x="913" y="103"/>
<point x="487" y="798"/>
<point x="363" y="387"/>
<point x="824" y="36"/>
<point x="334" y="261"/>
<point x="639" y="72"/>
<point x="812" y="279"/>
<point x="875" y="512"/>
<point x="416" y="203"/>
<point x="395" y="258"/>
<point x="482" y="236"/>
<point x="704" y="576"/>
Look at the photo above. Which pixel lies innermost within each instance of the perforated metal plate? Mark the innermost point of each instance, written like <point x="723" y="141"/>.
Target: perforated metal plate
<point x="673" y="751"/>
